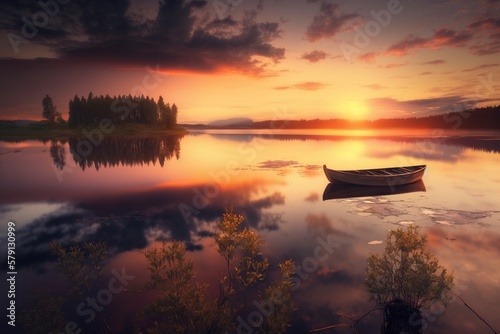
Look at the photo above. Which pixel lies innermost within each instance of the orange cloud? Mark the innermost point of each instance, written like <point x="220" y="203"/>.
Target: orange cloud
<point x="309" y="85"/>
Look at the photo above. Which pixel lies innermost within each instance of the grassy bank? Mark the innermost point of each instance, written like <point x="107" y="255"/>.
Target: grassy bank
<point x="14" y="131"/>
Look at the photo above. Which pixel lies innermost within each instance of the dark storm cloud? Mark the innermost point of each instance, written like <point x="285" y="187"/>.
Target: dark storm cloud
<point x="182" y="36"/>
<point x="328" y="22"/>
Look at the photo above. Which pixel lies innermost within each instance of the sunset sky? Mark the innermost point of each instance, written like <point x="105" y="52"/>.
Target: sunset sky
<point x="259" y="59"/>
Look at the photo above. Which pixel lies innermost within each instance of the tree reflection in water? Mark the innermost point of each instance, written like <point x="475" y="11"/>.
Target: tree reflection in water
<point x="405" y="280"/>
<point x="58" y="154"/>
<point x="118" y="150"/>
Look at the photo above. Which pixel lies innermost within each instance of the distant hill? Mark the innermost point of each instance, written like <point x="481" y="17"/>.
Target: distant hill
<point x="478" y="118"/>
<point x="237" y="122"/>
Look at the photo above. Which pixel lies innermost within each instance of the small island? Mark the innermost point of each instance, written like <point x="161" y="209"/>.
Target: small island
<point x="96" y="116"/>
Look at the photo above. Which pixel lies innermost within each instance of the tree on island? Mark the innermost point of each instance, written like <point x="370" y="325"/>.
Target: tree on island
<point x="50" y="112"/>
<point x="121" y="109"/>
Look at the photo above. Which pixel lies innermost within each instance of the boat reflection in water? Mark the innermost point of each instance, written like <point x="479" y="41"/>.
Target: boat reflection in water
<point x="336" y="190"/>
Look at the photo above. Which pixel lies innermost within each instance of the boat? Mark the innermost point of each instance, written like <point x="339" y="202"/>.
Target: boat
<point x="336" y="190"/>
<point x="391" y="176"/>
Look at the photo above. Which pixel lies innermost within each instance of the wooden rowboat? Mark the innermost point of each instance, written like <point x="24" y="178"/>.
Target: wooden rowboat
<point x="392" y="176"/>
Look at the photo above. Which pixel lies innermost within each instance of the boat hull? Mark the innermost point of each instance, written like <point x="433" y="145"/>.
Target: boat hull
<point x="338" y="190"/>
<point x="393" y="176"/>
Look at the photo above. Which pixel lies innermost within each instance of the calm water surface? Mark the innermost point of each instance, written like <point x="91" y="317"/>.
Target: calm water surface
<point x="131" y="193"/>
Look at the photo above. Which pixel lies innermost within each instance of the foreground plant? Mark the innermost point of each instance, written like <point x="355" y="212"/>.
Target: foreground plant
<point x="406" y="271"/>
<point x="82" y="266"/>
<point x="404" y="280"/>
<point x="183" y="306"/>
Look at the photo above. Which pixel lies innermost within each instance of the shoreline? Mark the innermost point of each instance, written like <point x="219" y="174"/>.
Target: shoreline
<point x="43" y="132"/>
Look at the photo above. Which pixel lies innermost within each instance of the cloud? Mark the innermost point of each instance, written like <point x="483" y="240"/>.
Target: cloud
<point x="410" y="42"/>
<point x="328" y="22"/>
<point x="487" y="242"/>
<point x="313" y="197"/>
<point x="375" y="86"/>
<point x="389" y="66"/>
<point x="486" y="48"/>
<point x="434" y="62"/>
<point x="490" y="25"/>
<point x="417" y="107"/>
<point x="425" y="73"/>
<point x="314" y="56"/>
<point x="132" y="220"/>
<point x="485" y="32"/>
<point x="321" y="225"/>
<point x="275" y="164"/>
<point x="450" y="38"/>
<point x="424" y="107"/>
<point x="479" y="67"/>
<point x="368" y="57"/>
<point x="488" y="29"/>
<point x="442" y="37"/>
<point x="309" y="85"/>
<point x="179" y="38"/>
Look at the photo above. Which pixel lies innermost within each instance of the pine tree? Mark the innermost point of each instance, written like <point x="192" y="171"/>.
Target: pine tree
<point x="173" y="117"/>
<point x="50" y="112"/>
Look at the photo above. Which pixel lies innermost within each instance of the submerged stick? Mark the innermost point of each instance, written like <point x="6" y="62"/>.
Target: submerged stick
<point x="470" y="308"/>
<point x="355" y="322"/>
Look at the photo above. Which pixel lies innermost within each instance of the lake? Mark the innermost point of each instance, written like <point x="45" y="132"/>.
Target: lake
<point x="132" y="192"/>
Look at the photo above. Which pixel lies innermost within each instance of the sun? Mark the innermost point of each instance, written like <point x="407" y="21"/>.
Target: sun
<point x="356" y="110"/>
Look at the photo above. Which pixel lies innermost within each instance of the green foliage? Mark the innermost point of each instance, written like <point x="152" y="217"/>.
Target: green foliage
<point x="81" y="266"/>
<point x="278" y="294"/>
<point x="407" y="271"/>
<point x="183" y="306"/>
<point x="44" y="315"/>
<point x="242" y="251"/>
